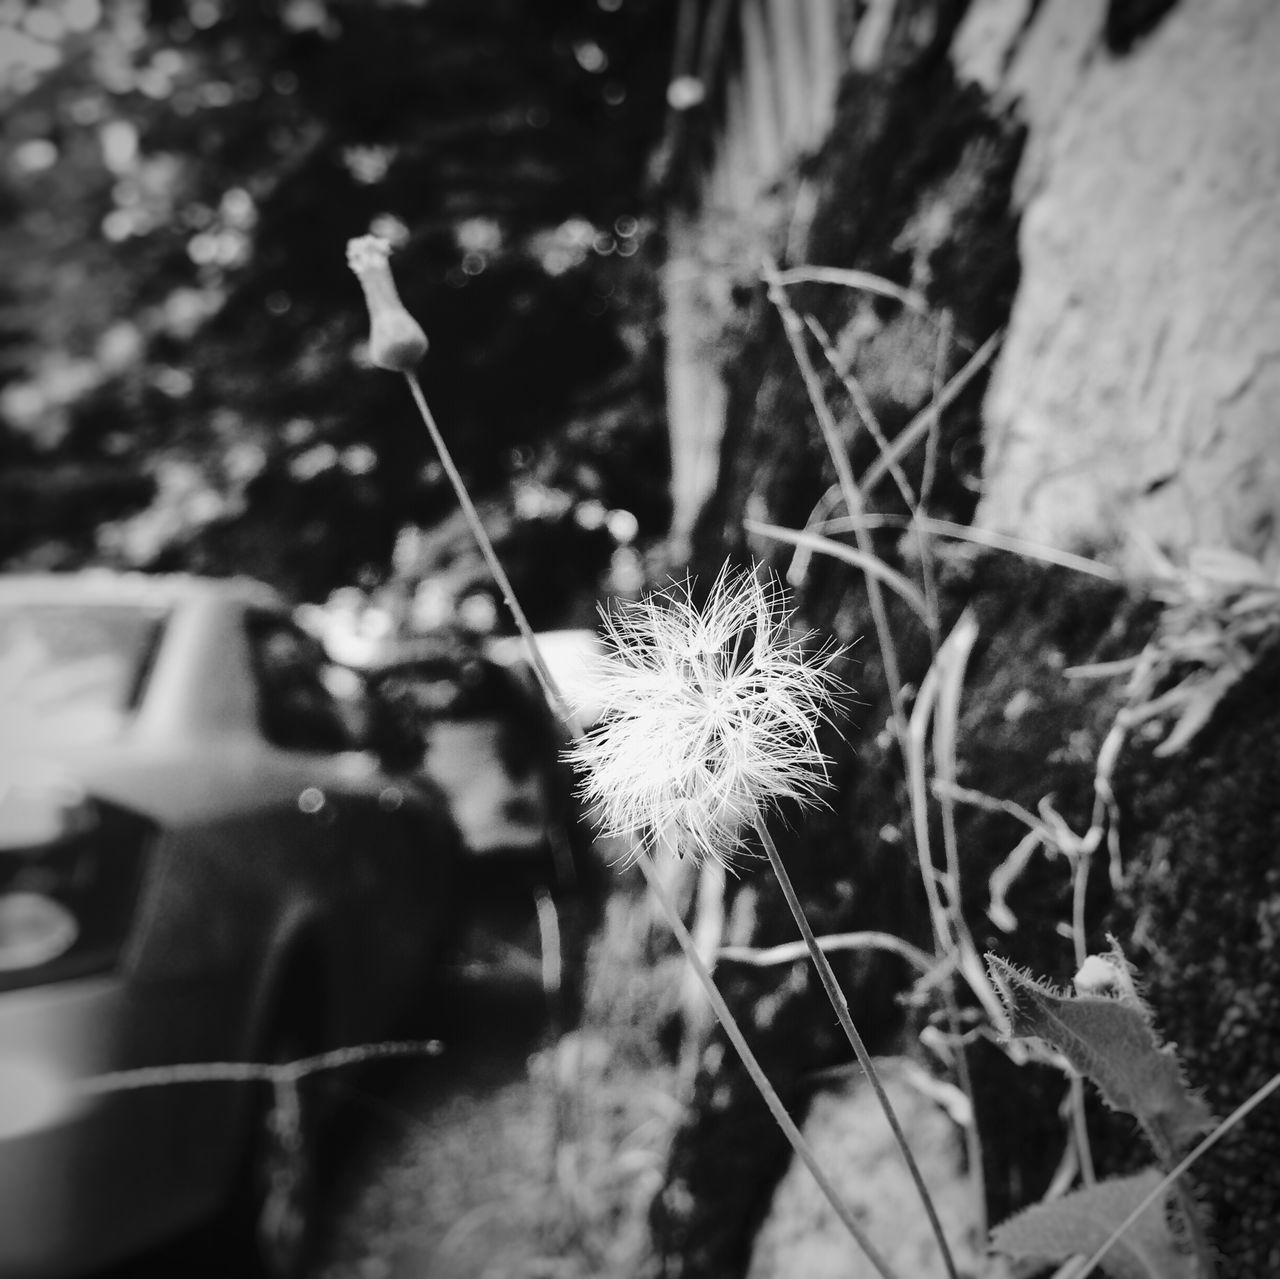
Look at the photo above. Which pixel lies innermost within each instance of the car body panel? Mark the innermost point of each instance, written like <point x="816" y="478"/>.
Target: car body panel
<point x="264" y="864"/>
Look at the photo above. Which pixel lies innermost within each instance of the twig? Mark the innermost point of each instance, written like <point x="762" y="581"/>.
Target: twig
<point x="789" y="952"/>
<point x="863" y="280"/>
<point x="981" y="537"/>
<point x="862" y="402"/>
<point x="924" y="421"/>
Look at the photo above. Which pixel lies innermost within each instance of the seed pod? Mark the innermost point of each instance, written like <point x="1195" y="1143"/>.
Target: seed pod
<point x="396" y="339"/>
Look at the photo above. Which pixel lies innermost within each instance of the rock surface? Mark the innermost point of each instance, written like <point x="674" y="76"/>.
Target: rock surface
<point x="1136" y="392"/>
<point x="850" y="1137"/>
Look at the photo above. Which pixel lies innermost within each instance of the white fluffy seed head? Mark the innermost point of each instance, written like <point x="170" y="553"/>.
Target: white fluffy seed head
<point x="710" y="716"/>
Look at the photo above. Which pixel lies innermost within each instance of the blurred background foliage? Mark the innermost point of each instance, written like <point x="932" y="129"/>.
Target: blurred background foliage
<point x="183" y="381"/>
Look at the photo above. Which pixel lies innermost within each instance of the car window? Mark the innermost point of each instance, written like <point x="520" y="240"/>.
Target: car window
<point x="296" y="708"/>
<point x="73" y="671"/>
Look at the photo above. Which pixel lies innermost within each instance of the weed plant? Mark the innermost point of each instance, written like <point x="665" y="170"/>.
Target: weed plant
<point x="711" y="717"/>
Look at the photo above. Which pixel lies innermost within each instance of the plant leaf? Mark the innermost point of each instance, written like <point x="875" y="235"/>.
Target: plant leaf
<point x="1081" y="1222"/>
<point x="1109" y="1039"/>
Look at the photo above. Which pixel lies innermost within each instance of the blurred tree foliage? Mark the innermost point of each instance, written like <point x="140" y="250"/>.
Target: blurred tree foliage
<point x="181" y="377"/>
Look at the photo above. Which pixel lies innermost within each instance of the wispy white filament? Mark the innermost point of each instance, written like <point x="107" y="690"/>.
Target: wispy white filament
<point x="710" y="716"/>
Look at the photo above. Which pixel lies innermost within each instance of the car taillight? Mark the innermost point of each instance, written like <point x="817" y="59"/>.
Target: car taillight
<point x="70" y="867"/>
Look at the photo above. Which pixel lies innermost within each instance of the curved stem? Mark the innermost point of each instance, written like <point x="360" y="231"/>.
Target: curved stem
<point x="841" y="1006"/>
<point x="754" y="1069"/>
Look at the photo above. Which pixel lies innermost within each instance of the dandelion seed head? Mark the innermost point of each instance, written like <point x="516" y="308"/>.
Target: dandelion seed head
<point x="710" y="716"/>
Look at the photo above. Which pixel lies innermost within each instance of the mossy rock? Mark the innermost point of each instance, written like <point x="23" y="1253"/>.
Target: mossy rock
<point x="1200" y="916"/>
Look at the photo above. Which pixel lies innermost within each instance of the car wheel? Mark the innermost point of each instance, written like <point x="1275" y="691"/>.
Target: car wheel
<point x="274" y="1209"/>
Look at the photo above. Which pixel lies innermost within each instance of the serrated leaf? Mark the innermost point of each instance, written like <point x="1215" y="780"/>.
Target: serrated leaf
<point x="1081" y="1222"/>
<point x="1109" y="1040"/>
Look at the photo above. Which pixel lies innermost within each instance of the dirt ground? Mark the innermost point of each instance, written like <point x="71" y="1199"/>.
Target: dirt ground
<point x="518" y="1152"/>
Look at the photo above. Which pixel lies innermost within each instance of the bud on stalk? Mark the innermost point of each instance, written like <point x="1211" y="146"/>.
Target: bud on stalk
<point x="396" y="339"/>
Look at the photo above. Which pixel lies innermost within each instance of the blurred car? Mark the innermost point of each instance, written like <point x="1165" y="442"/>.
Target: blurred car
<point x="489" y="740"/>
<point x="200" y="861"/>
<point x="492" y="744"/>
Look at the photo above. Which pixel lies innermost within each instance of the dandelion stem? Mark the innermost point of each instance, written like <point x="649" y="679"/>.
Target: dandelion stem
<point x="754" y="1069"/>
<point x="547" y="681"/>
<point x="841" y="1006"/>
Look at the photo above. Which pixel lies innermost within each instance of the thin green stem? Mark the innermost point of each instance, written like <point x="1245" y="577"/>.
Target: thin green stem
<point x="547" y="681"/>
<point x="841" y="1006"/>
<point x="771" y="1099"/>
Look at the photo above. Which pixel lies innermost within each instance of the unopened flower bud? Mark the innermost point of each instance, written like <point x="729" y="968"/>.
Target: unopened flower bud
<point x="396" y="339"/>
<point x="1097" y="976"/>
<point x="1108" y="975"/>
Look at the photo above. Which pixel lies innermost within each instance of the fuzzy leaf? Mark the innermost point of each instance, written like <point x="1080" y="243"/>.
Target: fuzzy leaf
<point x="1110" y="1040"/>
<point x="1081" y="1222"/>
